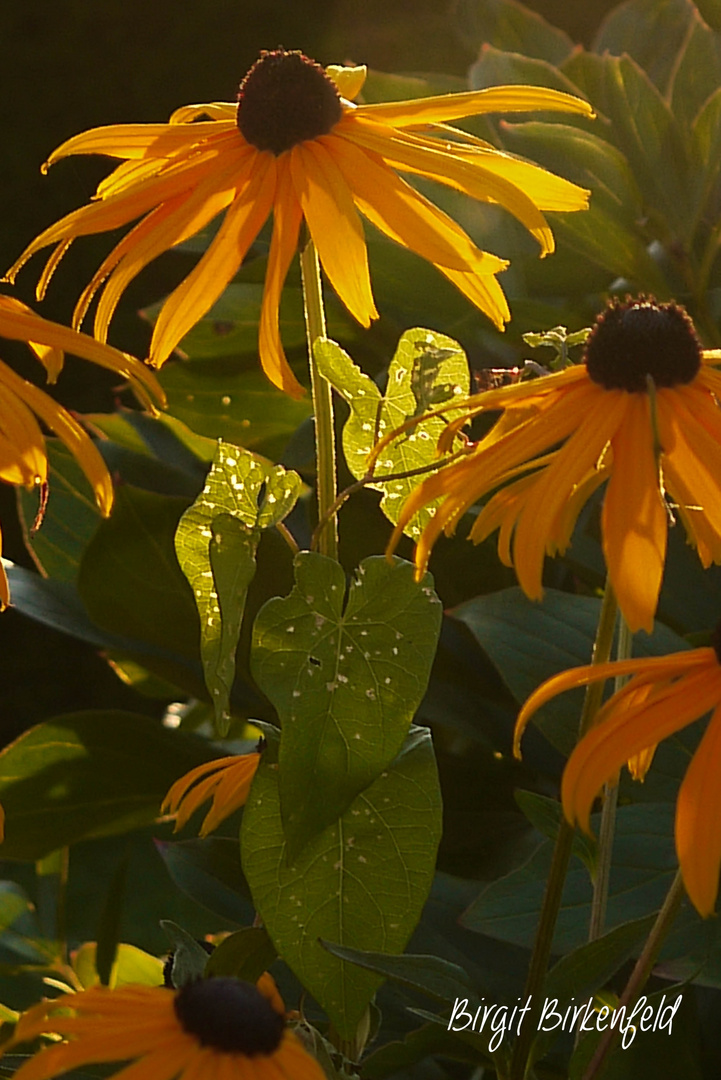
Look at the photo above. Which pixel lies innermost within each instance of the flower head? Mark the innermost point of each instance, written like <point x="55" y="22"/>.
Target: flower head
<point x="641" y="413"/>
<point x="296" y="146"/>
<point x="23" y="458"/>
<point x="211" y="1029"/>
<point x="226" y="781"/>
<point x="665" y="694"/>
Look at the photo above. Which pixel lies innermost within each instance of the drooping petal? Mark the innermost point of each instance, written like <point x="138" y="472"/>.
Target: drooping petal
<point x="443" y="107"/>
<point x="69" y="431"/>
<point x="651" y="667"/>
<point x="335" y="226"/>
<point x="206" y="281"/>
<point x="619" y="737"/>
<point x="22" y="457"/>
<point x="405" y="215"/>
<point x="287" y="217"/>
<point x="698" y="819"/>
<point x="24" y="325"/>
<point x="401" y="150"/>
<point x="139" y="141"/>
<point x="634" y="518"/>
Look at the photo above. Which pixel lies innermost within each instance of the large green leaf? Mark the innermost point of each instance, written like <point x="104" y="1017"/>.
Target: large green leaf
<point x="498" y="67"/>
<point x="216" y="542"/>
<point x="529" y="642"/>
<point x="88" y="774"/>
<point x="219" y="399"/>
<point x="653" y="32"/>
<point x="208" y="870"/>
<point x="130" y="580"/>
<point x="428" y="370"/>
<point x="361" y="882"/>
<point x="346" y="677"/>
<point x="509" y="25"/>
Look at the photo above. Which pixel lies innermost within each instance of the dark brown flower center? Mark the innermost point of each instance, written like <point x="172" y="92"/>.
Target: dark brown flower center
<point x="637" y="338"/>
<point x="229" y="1015"/>
<point x="286" y="99"/>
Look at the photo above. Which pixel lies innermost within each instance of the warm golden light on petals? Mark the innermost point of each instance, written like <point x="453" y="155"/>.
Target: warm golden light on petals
<point x="303" y="153"/>
<point x="665" y="694"/>
<point x="226" y="781"/>
<point x="211" y="1029"/>
<point x="597" y="435"/>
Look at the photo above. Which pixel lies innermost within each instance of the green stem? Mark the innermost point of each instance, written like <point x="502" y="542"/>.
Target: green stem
<point x="608" y="814"/>
<point x="642" y="970"/>
<point x="561" y="855"/>
<point x="322" y="401"/>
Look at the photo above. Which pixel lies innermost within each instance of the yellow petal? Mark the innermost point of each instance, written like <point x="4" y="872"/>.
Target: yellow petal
<point x="140" y="140"/>
<point x="698" y="820"/>
<point x="335" y="226"/>
<point x="216" y="110"/>
<point x="404" y="151"/>
<point x="620" y="736"/>
<point x="287" y="216"/>
<point x="23" y="455"/>
<point x="634" y="520"/>
<point x="405" y="215"/>
<point x="204" y="284"/>
<point x="443" y="107"/>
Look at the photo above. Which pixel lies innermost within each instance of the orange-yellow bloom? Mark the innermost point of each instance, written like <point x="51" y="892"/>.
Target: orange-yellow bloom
<point x="22" y="443"/>
<point x="296" y="146"/>
<point x="665" y="694"/>
<point x="640" y="413"/>
<point x="211" y="1029"/>
<point x="226" y="781"/>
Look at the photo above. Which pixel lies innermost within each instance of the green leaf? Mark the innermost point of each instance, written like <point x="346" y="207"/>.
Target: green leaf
<point x="132" y="966"/>
<point x="651" y="31"/>
<point x="427" y="370"/>
<point x="346" y="677"/>
<point x="88" y="774"/>
<point x="546" y="815"/>
<point x="361" y="882"/>
<point x="247" y="954"/>
<point x="711" y="12"/>
<point x="110" y="923"/>
<point x="506" y="24"/>
<point x="208" y="870"/>
<point x="395" y="1059"/>
<point x="698" y="72"/>
<point x="189" y="956"/>
<point x="529" y="642"/>
<point x="498" y="67"/>
<point x="432" y="975"/>
<point x="589" y="967"/>
<point x="706" y="155"/>
<point x="216" y="542"/>
<point x="70" y="519"/>
<point x="218" y="400"/>
<point x="130" y="580"/>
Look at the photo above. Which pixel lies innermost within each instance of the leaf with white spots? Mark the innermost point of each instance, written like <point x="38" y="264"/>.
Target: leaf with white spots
<point x="346" y="675"/>
<point x="216" y="542"/>
<point x="428" y="370"/>
<point x="361" y="883"/>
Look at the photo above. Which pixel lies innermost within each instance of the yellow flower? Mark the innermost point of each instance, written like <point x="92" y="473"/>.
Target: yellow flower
<point x="211" y="1029"/>
<point x="641" y="412"/>
<point x="665" y="694"/>
<point x="294" y="145"/>
<point x="22" y="444"/>
<point x="226" y="780"/>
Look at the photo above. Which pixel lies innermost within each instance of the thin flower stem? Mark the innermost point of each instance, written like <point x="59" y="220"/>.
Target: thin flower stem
<point x="608" y="814"/>
<point x="561" y="854"/>
<point x="322" y="401"/>
<point x="642" y="970"/>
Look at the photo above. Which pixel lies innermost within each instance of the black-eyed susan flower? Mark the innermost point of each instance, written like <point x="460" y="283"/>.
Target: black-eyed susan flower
<point x="23" y="458"/>
<point x="211" y="1029"/>
<point x="226" y="781"/>
<point x="641" y="412"/>
<point x="295" y="145"/>
<point x="665" y="694"/>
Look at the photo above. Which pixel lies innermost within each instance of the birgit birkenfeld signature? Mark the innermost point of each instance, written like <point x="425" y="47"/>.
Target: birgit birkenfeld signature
<point x="590" y="1015"/>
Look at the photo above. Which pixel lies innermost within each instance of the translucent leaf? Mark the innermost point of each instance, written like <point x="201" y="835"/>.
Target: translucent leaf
<point x="506" y="24"/>
<point x="216" y="542"/>
<point x="346" y="676"/>
<point x="362" y="881"/>
<point x="132" y="966"/>
<point x="427" y="370"/>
